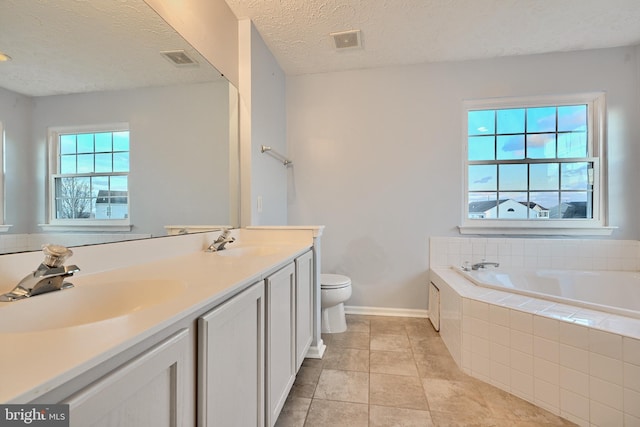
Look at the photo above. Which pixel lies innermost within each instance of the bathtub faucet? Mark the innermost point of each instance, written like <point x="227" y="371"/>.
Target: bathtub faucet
<point x="484" y="264"/>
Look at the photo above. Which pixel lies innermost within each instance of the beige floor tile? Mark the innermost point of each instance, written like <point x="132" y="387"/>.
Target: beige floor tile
<point x="359" y="340"/>
<point x="464" y="419"/>
<point x="397" y="391"/>
<point x="384" y="325"/>
<point x="393" y="362"/>
<point x="358" y="324"/>
<point x="345" y="386"/>
<point x="456" y="397"/>
<point x="294" y="412"/>
<point x="324" y="413"/>
<point x="313" y="363"/>
<point x="506" y="405"/>
<point x="347" y="359"/>
<point x="432" y="346"/>
<point x="387" y="342"/>
<point x="403" y="370"/>
<point x="326" y="339"/>
<point x="306" y="382"/>
<point x="443" y="367"/>
<point x="421" y="329"/>
<point x="560" y="423"/>
<point x="384" y="416"/>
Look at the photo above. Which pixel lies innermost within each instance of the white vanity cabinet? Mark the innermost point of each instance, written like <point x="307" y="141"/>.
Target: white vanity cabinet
<point x="231" y="362"/>
<point x="151" y="390"/>
<point x="304" y="305"/>
<point x="251" y="347"/>
<point x="281" y="339"/>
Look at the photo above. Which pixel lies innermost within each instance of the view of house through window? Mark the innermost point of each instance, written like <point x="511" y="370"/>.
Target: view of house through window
<point x="91" y="175"/>
<point x="530" y="163"/>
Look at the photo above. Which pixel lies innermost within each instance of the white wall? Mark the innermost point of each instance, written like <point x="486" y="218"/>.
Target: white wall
<point x="262" y="122"/>
<point x="378" y="156"/>
<point x="179" y="153"/>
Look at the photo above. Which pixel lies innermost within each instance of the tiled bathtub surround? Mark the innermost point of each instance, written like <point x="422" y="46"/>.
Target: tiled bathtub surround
<point x="573" y="254"/>
<point x="581" y="364"/>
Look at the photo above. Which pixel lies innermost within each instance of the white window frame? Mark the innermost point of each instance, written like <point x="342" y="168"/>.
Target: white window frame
<point x="80" y="224"/>
<point x="596" y="102"/>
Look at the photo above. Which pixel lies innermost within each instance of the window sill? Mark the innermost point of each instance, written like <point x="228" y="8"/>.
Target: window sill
<point x="86" y="227"/>
<point x="4" y="228"/>
<point x="535" y="231"/>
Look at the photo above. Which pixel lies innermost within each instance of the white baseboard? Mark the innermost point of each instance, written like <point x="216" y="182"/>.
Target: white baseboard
<point x="386" y="311"/>
<point x="316" y="352"/>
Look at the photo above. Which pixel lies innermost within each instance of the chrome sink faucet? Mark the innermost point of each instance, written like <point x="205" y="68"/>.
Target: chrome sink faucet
<point x="222" y="240"/>
<point x="484" y="264"/>
<point x="48" y="277"/>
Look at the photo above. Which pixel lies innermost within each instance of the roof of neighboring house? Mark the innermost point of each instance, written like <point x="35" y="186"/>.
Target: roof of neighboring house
<point x="569" y="210"/>
<point x="533" y="205"/>
<point x="490" y="204"/>
<point x="112" y="197"/>
<point x="484" y="205"/>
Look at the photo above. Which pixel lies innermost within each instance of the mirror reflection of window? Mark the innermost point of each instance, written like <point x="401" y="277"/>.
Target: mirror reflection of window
<point x="89" y="175"/>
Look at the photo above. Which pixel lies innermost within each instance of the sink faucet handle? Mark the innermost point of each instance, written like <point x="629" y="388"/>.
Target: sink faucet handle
<point x="55" y="255"/>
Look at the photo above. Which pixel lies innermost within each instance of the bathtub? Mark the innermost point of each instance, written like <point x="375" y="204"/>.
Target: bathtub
<point x="616" y="292"/>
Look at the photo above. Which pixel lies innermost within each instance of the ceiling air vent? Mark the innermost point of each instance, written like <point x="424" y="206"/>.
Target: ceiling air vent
<point x="179" y="58"/>
<point x="347" y="39"/>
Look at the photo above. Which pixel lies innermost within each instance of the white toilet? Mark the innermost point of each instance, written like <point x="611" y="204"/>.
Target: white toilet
<point x="335" y="289"/>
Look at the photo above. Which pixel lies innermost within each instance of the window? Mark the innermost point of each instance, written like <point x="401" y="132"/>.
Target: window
<point x="534" y="164"/>
<point x="89" y="179"/>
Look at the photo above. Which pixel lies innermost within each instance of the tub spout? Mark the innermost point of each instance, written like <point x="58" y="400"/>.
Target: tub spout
<point x="484" y="264"/>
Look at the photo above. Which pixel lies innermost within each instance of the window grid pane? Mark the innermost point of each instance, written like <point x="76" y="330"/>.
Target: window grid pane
<point x="95" y="182"/>
<point x="91" y="197"/>
<point x="534" y="169"/>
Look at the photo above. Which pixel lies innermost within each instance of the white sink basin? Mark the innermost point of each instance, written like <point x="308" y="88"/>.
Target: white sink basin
<point x="247" y="251"/>
<point x="85" y="304"/>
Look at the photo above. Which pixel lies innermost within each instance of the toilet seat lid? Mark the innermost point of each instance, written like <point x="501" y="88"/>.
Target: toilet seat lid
<point x="332" y="281"/>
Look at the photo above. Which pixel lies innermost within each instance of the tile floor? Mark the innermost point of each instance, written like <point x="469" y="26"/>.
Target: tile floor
<point x="391" y="371"/>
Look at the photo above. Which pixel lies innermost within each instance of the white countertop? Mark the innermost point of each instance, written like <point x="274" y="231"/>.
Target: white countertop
<point x="34" y="363"/>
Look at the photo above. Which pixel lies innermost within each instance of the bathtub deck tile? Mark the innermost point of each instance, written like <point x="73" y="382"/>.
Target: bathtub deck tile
<point x="621" y="325"/>
<point x="560" y="311"/>
<point x="514" y="300"/>
<point x="589" y="318"/>
<point x="536" y="305"/>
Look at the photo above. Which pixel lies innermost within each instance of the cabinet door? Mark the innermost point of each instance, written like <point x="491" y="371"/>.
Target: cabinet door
<point x="151" y="390"/>
<point x="281" y="370"/>
<point x="304" y="306"/>
<point x="231" y="362"/>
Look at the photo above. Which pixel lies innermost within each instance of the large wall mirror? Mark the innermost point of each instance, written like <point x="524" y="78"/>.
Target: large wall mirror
<point x="87" y="63"/>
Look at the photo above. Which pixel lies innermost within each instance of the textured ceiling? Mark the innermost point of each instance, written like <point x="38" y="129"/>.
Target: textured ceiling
<point x="70" y="46"/>
<point x="417" y="31"/>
